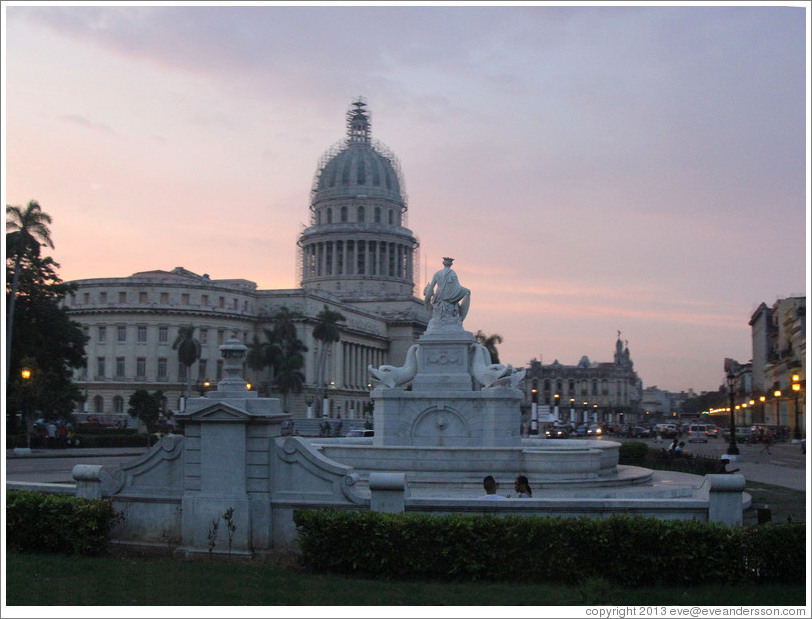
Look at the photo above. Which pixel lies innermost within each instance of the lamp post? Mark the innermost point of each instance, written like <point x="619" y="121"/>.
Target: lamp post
<point x="732" y="449"/>
<point x="796" y="388"/>
<point x="763" y="399"/>
<point x="777" y="394"/>
<point x="534" y="409"/>
<point x="26" y="376"/>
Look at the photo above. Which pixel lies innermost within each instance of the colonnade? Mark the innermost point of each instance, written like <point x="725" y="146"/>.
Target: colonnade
<point x="358" y="257"/>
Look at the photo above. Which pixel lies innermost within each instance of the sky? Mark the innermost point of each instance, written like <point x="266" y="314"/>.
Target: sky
<point x="591" y="169"/>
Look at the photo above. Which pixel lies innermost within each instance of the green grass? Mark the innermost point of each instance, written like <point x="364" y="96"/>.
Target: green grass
<point x="45" y="580"/>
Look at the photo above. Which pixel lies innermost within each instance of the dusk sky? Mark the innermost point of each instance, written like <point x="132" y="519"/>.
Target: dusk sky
<point x="591" y="169"/>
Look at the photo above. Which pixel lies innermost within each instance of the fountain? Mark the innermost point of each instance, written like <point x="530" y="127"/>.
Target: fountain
<point x="444" y="420"/>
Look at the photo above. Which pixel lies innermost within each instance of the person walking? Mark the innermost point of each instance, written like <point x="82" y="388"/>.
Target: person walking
<point x="768" y="439"/>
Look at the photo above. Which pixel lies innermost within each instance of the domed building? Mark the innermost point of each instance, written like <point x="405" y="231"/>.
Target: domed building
<point x="357" y="257"/>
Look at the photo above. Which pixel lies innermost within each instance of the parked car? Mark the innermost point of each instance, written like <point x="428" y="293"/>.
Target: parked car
<point x="580" y="431"/>
<point x="666" y="430"/>
<point x="594" y="430"/>
<point x="697" y="433"/>
<point x="742" y="434"/>
<point x="361" y="433"/>
<point x="641" y="432"/>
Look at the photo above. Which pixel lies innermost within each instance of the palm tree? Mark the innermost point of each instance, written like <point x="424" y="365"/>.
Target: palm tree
<point x="258" y="357"/>
<point x="188" y="348"/>
<point x="26" y="230"/>
<point x="327" y="332"/>
<point x="489" y="342"/>
<point x="290" y="378"/>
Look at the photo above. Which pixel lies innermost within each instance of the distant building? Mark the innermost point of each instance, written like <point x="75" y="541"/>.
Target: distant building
<point x="589" y="392"/>
<point x="356" y="257"/>
<point x="779" y="360"/>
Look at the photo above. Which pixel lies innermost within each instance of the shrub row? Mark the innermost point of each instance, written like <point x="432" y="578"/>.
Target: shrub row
<point x="627" y="551"/>
<point x="639" y="454"/>
<point x="37" y="522"/>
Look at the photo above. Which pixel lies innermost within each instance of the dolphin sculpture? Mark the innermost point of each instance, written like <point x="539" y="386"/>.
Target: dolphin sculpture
<point x="485" y="372"/>
<point x="392" y="376"/>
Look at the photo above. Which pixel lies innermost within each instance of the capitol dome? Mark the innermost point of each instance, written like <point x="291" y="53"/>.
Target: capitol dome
<point x="357" y="244"/>
<point x="358" y="167"/>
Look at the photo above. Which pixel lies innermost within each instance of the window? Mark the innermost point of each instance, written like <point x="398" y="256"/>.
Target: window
<point x="201" y="369"/>
<point x="121" y="333"/>
<point x="122" y="297"/>
<point x="204" y="300"/>
<point x="181" y="371"/>
<point x="164" y="298"/>
<point x="119" y="367"/>
<point x="87" y="298"/>
<point x="100" y="367"/>
<point x="184" y="298"/>
<point x="118" y="404"/>
<point x="161" y="368"/>
<point x="361" y="214"/>
<point x="142" y="333"/>
<point x="98" y="404"/>
<point x="329" y="215"/>
<point x="343" y="214"/>
<point x="103" y="297"/>
<point x="220" y="335"/>
<point x="204" y="337"/>
<point x="142" y="297"/>
<point x="219" y="369"/>
<point x="222" y="302"/>
<point x="102" y="334"/>
<point x="391" y="217"/>
<point x="163" y="335"/>
<point x="140" y="367"/>
<point x="377" y="214"/>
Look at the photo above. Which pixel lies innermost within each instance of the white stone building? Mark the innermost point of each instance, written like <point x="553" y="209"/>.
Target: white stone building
<point x="357" y="257"/>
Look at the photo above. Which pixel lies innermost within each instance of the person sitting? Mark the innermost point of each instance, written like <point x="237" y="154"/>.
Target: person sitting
<point x="522" y="486"/>
<point x="679" y="448"/>
<point x="721" y="466"/>
<point x="490" y="490"/>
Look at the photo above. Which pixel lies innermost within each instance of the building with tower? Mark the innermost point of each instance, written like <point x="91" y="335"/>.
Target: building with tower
<point x="588" y="392"/>
<point x="357" y="257"/>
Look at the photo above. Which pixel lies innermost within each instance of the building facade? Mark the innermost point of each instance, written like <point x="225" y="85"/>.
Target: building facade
<point x="357" y="257"/>
<point x="771" y="389"/>
<point x="589" y="392"/>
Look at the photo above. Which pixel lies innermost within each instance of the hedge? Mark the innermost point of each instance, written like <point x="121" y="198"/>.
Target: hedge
<point x="37" y="522"/>
<point x="625" y="550"/>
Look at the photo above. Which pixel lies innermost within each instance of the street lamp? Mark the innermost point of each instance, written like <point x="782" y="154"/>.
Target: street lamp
<point x="777" y="394"/>
<point x="25" y="373"/>
<point x="732" y="448"/>
<point x="796" y="387"/>
<point x="534" y="409"/>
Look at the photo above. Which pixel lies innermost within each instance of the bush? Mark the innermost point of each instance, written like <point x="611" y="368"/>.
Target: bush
<point x="633" y="453"/>
<point x="625" y="550"/>
<point x="37" y="522"/>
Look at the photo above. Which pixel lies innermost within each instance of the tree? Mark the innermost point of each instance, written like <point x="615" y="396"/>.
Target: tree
<point x="26" y="230"/>
<point x="489" y="342"/>
<point x="188" y="348"/>
<point x="146" y="407"/>
<point x="257" y="357"/>
<point x="45" y="340"/>
<point x="327" y="332"/>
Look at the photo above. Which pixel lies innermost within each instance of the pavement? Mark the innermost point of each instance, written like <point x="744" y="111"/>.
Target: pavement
<point x="784" y="466"/>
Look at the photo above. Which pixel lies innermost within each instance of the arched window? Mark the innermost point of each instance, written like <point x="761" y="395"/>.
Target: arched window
<point x="594" y="386"/>
<point x="329" y="215"/>
<point x="391" y="217"/>
<point x="361" y="214"/>
<point x="98" y="404"/>
<point x="558" y="386"/>
<point x="118" y="404"/>
<point x="605" y="387"/>
<point x="343" y="214"/>
<point x="571" y="386"/>
<point x="546" y="384"/>
<point x="377" y="214"/>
